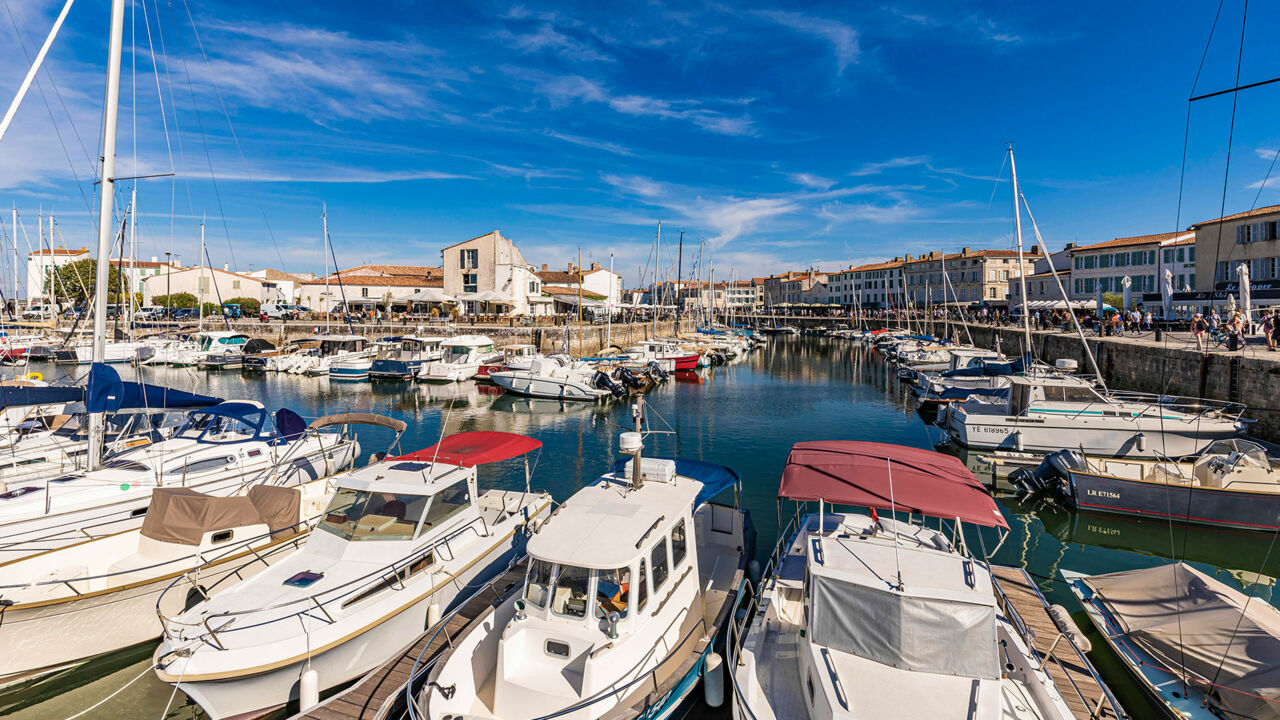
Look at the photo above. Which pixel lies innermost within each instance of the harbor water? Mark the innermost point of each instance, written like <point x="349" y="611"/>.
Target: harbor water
<point x="745" y="415"/>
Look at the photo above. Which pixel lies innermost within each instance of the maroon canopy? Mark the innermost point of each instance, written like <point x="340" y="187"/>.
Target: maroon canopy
<point x="844" y="472"/>
<point x="476" y="448"/>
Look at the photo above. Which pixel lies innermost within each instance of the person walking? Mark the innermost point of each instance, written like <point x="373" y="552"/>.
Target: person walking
<point x="1268" y="331"/>
<point x="1275" y="328"/>
<point x="1198" y="329"/>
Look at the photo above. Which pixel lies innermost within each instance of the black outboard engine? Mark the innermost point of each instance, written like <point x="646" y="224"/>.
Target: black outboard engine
<point x="656" y="370"/>
<point x="718" y="358"/>
<point x="1054" y="472"/>
<point x="628" y="379"/>
<point x="602" y="381"/>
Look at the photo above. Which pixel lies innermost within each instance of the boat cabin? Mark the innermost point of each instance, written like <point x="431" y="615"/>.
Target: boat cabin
<point x="966" y="357"/>
<point x="1026" y="393"/>
<point x="511" y="352"/>
<point x="461" y="348"/>
<point x="240" y="420"/>
<point x="221" y="341"/>
<point x="336" y="344"/>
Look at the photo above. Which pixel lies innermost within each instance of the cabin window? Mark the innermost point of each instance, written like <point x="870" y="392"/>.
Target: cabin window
<point x="659" y="557"/>
<point x="200" y="466"/>
<point x="538" y="588"/>
<point x="612" y="587"/>
<point x="555" y="648"/>
<point x="642" y="587"/>
<point x="447" y="503"/>
<point x="358" y="515"/>
<point x="570" y="596"/>
<point x="679" y="544"/>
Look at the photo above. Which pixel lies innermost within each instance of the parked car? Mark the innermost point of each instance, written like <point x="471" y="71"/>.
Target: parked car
<point x="280" y="311"/>
<point x="150" y="312"/>
<point x="39" y="311"/>
<point x="183" y="313"/>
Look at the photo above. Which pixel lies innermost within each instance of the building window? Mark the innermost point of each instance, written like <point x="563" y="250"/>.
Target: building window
<point x="469" y="282"/>
<point x="364" y="292"/>
<point x="470" y="259"/>
<point x="533" y="286"/>
<point x="235" y="284"/>
<point x="1105" y="261"/>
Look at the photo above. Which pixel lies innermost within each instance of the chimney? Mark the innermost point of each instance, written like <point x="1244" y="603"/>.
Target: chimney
<point x="544" y="267"/>
<point x="1035" y="249"/>
<point x="595" y="265"/>
<point x="155" y="259"/>
<point x="226" y="267"/>
<point x="907" y="258"/>
<point x="1070" y="246"/>
<point x="964" y="252"/>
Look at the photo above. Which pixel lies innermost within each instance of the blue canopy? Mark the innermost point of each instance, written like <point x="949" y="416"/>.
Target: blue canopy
<point x="21" y="396"/>
<point x="715" y="479"/>
<point x="983" y="368"/>
<point x="106" y="392"/>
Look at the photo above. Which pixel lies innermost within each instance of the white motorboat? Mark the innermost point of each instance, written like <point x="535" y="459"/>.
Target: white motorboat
<point x="166" y="351"/>
<point x="115" y="352"/>
<point x="463" y="357"/>
<point x="862" y="616"/>
<point x="61" y="447"/>
<point x="1044" y="414"/>
<point x="401" y="360"/>
<point x="557" y="378"/>
<point x="210" y="343"/>
<point x="332" y="348"/>
<point x="218" y="451"/>
<point x="100" y="595"/>
<point x="668" y="355"/>
<point x="629" y="586"/>
<point x="514" y="357"/>
<point x="400" y="543"/>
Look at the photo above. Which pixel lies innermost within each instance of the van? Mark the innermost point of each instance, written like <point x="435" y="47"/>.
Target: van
<point x="279" y="311"/>
<point x="38" y="311"/>
<point x="150" y="312"/>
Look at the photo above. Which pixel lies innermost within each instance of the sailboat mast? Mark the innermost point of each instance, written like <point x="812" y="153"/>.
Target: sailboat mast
<point x="200" y="279"/>
<point x="1022" y="275"/>
<point x="324" y="222"/>
<point x="97" y="422"/>
<point x="133" y="254"/>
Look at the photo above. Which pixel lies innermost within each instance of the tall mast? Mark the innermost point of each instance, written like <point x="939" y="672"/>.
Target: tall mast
<point x="97" y="422"/>
<point x="14" y="231"/>
<point x="200" y="277"/>
<point x="133" y="252"/>
<point x="1022" y="275"/>
<point x="324" y="222"/>
<point x="657" y="275"/>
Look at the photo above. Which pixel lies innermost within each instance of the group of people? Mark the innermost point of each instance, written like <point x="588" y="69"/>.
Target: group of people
<point x="1234" y="328"/>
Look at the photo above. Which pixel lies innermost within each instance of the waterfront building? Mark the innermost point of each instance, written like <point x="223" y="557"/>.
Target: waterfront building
<point x="874" y="286"/>
<point x="1140" y="258"/>
<point x="489" y="275"/>
<point x="1221" y="245"/>
<point x="370" y="287"/>
<point x="208" y="284"/>
<point x="288" y="285"/>
<point x="972" y="276"/>
<point x="41" y="263"/>
<point x="600" y="286"/>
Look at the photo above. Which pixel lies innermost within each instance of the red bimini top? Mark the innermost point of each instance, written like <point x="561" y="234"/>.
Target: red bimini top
<point x="845" y="472"/>
<point x="475" y="448"/>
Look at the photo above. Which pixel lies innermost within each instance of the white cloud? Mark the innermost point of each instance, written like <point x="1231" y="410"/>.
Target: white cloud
<point x="586" y="142"/>
<point x="811" y="181"/>
<point x="567" y="89"/>
<point x="547" y="37"/>
<point x="875" y="168"/>
<point x="843" y="38"/>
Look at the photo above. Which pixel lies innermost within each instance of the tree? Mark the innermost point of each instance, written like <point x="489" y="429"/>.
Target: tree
<point x="248" y="306"/>
<point x="1115" y="300"/>
<point x="78" y="280"/>
<point x="212" y="309"/>
<point x="176" y="300"/>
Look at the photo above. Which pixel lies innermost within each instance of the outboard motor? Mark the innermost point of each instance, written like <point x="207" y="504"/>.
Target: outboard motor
<point x="628" y="379"/>
<point x="1054" y="472"/>
<point x="602" y="381"/>
<point x="656" y="370"/>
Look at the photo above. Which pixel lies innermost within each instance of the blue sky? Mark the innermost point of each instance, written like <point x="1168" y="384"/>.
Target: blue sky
<point x="784" y="136"/>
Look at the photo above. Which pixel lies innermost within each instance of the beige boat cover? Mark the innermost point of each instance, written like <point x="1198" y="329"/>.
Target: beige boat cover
<point x="184" y="516"/>
<point x="1226" y="642"/>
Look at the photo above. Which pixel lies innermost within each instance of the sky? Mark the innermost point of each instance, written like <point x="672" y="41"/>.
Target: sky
<point x="773" y="136"/>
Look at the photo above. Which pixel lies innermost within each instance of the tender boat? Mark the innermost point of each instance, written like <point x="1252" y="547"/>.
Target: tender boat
<point x="401" y="542"/>
<point x="1233" y="484"/>
<point x="218" y="450"/>
<point x="400" y="361"/>
<point x="1200" y="649"/>
<point x="463" y="357"/>
<point x="863" y="616"/>
<point x="558" y="378"/>
<point x="1044" y="414"/>
<point x="629" y="587"/>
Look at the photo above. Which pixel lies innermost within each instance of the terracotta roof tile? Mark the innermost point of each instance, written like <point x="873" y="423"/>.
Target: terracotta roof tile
<point x="1160" y="238"/>
<point x="1268" y="210"/>
<point x="565" y="292"/>
<point x="558" y="276"/>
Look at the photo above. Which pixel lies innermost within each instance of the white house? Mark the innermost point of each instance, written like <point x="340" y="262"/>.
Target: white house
<point x="288" y="285"/>
<point x="488" y="274"/>
<point x="209" y="285"/>
<point x="602" y="287"/>
<point x="41" y="262"/>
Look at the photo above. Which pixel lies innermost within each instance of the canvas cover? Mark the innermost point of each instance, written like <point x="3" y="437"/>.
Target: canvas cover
<point x="183" y="516"/>
<point x="912" y="633"/>
<point x="1226" y="642"/>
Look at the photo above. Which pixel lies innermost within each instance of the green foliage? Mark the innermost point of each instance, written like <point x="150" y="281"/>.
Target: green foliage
<point x="248" y="306"/>
<point x="78" y="280"/>
<point x="212" y="309"/>
<point x="177" y="300"/>
<point x="1115" y="300"/>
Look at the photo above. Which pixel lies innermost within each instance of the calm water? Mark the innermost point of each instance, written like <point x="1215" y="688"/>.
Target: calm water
<point x="746" y="415"/>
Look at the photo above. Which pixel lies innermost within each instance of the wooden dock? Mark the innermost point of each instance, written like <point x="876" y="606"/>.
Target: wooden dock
<point x="378" y="692"/>
<point x="1072" y="672"/>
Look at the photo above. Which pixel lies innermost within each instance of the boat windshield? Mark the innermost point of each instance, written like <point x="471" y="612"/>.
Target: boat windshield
<point x="456" y="353"/>
<point x="211" y="427"/>
<point x="359" y="515"/>
<point x="566" y="589"/>
<point x="1241" y="450"/>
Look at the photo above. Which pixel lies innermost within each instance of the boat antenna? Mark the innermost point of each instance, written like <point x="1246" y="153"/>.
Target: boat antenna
<point x="893" y="510"/>
<point x="444" y="422"/>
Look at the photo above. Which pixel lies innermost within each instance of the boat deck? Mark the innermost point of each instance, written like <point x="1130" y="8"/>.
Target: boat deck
<point x="1071" y="671"/>
<point x="378" y="694"/>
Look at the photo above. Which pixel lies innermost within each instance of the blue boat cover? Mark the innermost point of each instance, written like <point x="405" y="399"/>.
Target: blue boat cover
<point x="22" y="396"/>
<point x="106" y="392"/>
<point x="988" y="369"/>
<point x="289" y="424"/>
<point x="962" y="393"/>
<point x="715" y="479"/>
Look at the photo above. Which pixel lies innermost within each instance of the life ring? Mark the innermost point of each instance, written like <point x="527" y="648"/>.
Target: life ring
<point x="33" y="376"/>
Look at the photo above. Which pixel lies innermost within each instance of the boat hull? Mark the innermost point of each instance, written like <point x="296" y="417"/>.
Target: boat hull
<point x="523" y="383"/>
<point x="1110" y="437"/>
<point x="394" y="369"/>
<point x="1237" y="509"/>
<point x="254" y="695"/>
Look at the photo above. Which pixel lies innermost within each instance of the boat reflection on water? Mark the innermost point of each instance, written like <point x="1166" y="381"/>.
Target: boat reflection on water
<point x="688" y="376"/>
<point x="1248" y="557"/>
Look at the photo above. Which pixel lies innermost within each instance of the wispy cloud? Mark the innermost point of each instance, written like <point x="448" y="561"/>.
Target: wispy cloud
<point x="565" y="90"/>
<point x="810" y="180"/>
<point x="586" y="142"/>
<point x="547" y="38"/>
<point x="875" y="168"/>
<point x="842" y="37"/>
